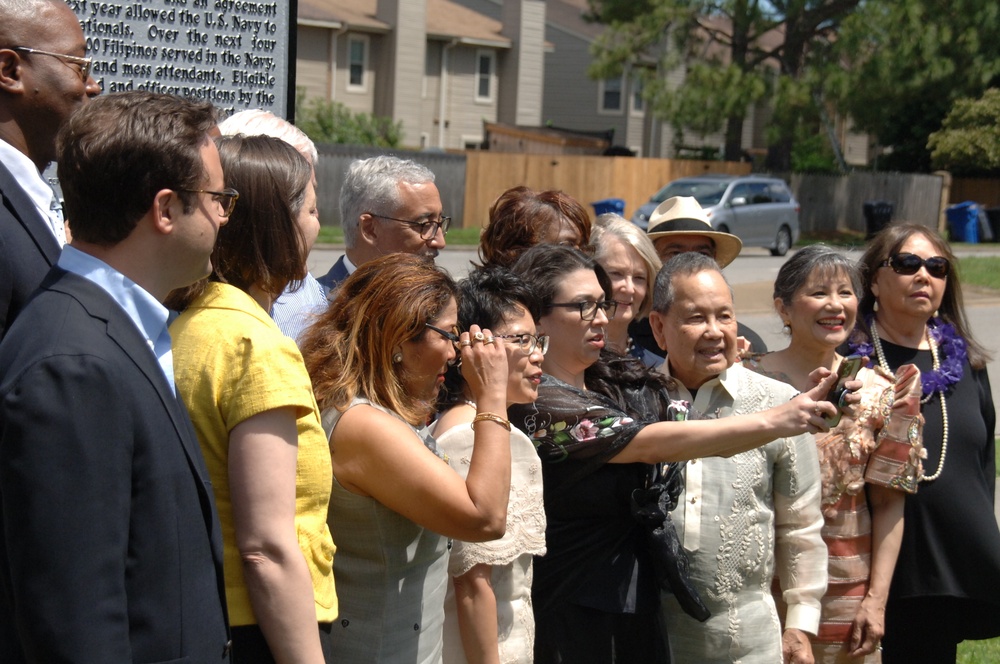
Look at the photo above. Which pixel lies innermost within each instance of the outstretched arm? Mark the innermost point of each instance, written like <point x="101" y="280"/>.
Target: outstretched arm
<point x="694" y="439"/>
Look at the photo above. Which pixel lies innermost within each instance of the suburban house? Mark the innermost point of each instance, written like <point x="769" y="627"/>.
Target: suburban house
<point x="445" y="68"/>
<point x="439" y="67"/>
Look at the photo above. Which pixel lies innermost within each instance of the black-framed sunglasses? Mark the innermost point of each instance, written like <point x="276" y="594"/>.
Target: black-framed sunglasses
<point x="427" y="229"/>
<point x="906" y="264"/>
<point x="226" y="198"/>
<point x="588" y="309"/>
<point x="527" y="343"/>
<point x="451" y="336"/>
<point x="84" y="64"/>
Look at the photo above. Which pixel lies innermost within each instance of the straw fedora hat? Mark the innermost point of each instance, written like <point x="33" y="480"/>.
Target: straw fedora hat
<point x="681" y="215"/>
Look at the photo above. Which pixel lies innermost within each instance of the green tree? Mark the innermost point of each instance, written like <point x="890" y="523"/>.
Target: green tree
<point x="332" y="122"/>
<point x="735" y="52"/>
<point x="969" y="140"/>
<point x="905" y="63"/>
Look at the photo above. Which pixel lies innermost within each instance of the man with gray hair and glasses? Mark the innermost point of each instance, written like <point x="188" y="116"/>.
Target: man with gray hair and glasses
<point x="387" y="205"/>
<point x="44" y="78"/>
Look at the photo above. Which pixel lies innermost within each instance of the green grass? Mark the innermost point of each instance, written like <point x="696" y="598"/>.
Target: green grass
<point x="979" y="652"/>
<point x="981" y="271"/>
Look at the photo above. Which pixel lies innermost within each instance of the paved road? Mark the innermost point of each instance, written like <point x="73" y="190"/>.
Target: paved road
<point x="752" y="276"/>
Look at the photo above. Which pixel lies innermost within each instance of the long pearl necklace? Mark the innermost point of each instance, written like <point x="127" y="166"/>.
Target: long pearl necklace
<point x="936" y="363"/>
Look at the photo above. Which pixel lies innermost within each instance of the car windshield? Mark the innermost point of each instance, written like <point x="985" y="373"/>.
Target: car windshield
<point x="706" y="193"/>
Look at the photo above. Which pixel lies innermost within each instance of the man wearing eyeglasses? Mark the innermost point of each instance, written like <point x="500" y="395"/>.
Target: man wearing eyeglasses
<point x="387" y="205"/>
<point x="110" y="547"/>
<point x="44" y="78"/>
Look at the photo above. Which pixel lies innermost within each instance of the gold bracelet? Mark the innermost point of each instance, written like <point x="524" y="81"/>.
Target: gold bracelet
<point x="492" y="417"/>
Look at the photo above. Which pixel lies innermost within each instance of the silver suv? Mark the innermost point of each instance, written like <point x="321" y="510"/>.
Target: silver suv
<point x="761" y="211"/>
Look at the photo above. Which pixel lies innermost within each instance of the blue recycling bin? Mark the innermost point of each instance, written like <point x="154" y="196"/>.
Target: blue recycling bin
<point x="963" y="221"/>
<point x="603" y="206"/>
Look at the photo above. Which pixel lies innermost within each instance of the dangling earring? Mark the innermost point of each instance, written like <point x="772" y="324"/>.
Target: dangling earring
<point x="787" y="328"/>
<point x="397" y="358"/>
<point x="875" y="307"/>
<point x="937" y="314"/>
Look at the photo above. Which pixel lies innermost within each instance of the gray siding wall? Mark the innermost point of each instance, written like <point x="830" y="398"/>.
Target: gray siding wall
<point x="522" y="68"/>
<point x="313" y="61"/>
<point x="406" y="61"/>
<point x="570" y="97"/>
<point x="465" y="113"/>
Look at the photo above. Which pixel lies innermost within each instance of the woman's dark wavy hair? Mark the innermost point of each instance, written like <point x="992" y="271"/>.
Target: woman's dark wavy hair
<point x="619" y="377"/>
<point x="488" y="297"/>
<point x="952" y="310"/>
<point x="544" y="266"/>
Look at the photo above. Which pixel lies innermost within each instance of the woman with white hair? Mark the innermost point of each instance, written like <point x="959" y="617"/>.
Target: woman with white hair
<point x="629" y="258"/>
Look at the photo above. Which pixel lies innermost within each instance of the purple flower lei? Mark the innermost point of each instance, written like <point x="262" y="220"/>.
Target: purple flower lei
<point x="951" y="351"/>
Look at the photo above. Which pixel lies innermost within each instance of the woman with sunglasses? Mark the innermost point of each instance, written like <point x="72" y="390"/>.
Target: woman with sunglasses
<point x="946" y="586"/>
<point x="488" y="614"/>
<point x="596" y="427"/>
<point x="252" y="406"/>
<point x="869" y="460"/>
<point x="378" y="358"/>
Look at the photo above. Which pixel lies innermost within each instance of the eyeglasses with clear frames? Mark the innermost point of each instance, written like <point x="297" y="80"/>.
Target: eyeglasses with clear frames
<point x="84" y="64"/>
<point x="427" y="229"/>
<point x="226" y="198"/>
<point x="588" y="309"/>
<point x="527" y="343"/>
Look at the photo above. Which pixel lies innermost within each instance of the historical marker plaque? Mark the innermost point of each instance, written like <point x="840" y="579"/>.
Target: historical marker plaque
<point x="237" y="54"/>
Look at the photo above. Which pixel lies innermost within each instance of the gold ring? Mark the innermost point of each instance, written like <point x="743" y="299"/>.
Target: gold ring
<point x="489" y="340"/>
<point x="464" y="343"/>
<point x="818" y="412"/>
<point x="478" y="336"/>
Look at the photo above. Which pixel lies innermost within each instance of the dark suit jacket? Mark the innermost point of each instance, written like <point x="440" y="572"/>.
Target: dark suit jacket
<point x="335" y="276"/>
<point x="110" y="549"/>
<point x="27" y="248"/>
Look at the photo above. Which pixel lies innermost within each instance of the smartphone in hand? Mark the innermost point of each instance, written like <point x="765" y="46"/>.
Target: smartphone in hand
<point x="847" y="371"/>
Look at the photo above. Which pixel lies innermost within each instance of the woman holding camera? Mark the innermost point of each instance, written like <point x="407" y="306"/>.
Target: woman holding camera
<point x="869" y="460"/>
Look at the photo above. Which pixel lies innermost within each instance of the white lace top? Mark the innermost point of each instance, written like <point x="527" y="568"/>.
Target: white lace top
<point x="510" y="555"/>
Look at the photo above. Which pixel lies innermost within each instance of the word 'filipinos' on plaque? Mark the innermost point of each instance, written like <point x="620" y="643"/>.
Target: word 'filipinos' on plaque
<point x="236" y="54"/>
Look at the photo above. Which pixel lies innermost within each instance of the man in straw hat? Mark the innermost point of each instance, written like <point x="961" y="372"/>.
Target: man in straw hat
<point x="679" y="225"/>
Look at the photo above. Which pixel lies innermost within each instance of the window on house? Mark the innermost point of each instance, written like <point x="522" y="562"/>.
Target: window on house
<point x="485" y="66"/>
<point x="611" y="95"/>
<point x="357" y="62"/>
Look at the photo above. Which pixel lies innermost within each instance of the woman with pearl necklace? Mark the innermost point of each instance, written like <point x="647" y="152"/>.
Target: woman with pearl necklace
<point x="946" y="585"/>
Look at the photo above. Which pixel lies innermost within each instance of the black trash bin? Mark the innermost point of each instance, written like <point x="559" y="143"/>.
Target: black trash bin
<point x="993" y="218"/>
<point x="878" y="214"/>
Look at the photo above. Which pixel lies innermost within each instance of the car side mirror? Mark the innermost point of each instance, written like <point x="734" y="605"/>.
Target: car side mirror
<point x="738" y="201"/>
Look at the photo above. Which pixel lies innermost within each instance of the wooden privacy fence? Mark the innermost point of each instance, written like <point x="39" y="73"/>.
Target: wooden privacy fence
<point x="469" y="183"/>
<point x="585" y="178"/>
<point x="985" y="191"/>
<point x="835" y="202"/>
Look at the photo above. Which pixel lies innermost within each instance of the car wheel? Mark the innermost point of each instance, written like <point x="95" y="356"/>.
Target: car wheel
<point x="782" y="242"/>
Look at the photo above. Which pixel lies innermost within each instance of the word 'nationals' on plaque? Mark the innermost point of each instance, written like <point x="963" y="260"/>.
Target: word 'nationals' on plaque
<point x="236" y="54"/>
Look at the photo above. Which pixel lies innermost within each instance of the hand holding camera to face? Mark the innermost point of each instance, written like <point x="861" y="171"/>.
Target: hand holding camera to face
<point x="844" y="392"/>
